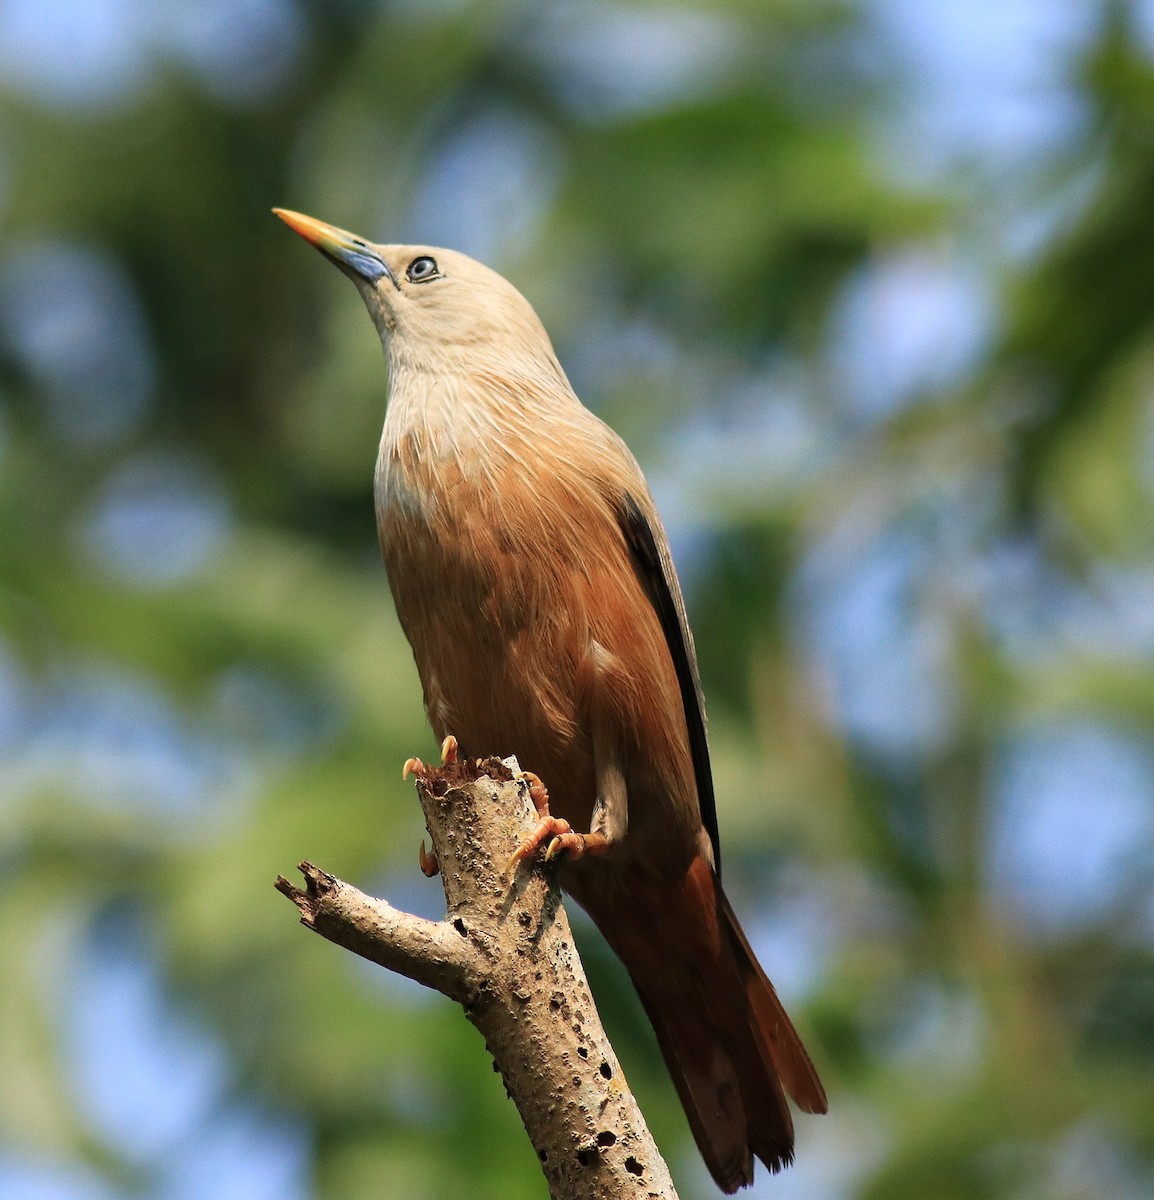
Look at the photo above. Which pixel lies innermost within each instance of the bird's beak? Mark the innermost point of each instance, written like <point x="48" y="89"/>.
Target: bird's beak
<point x="356" y="257"/>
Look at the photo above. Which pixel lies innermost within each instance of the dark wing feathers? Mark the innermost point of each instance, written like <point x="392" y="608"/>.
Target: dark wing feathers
<point x="654" y="566"/>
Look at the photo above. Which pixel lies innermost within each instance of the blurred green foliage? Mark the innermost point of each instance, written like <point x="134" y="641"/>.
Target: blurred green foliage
<point x="896" y="401"/>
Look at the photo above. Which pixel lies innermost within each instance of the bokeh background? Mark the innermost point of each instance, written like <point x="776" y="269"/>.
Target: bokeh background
<point x="868" y="285"/>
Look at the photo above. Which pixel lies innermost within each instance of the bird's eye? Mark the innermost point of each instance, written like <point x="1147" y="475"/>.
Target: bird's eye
<point x="422" y="269"/>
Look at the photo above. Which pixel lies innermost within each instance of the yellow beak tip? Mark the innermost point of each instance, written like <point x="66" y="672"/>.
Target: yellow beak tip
<point x="309" y="228"/>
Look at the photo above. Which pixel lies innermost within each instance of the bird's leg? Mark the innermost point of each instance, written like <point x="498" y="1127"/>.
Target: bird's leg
<point x="560" y="835"/>
<point x="428" y="858"/>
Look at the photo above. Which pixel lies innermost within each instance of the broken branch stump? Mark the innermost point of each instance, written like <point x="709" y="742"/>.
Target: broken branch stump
<point x="505" y="953"/>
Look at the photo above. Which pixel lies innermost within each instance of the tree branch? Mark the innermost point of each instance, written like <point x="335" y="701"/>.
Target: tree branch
<point x="505" y="953"/>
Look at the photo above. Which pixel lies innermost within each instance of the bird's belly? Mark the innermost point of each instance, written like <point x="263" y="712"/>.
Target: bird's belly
<point x="498" y="642"/>
<point x="534" y="636"/>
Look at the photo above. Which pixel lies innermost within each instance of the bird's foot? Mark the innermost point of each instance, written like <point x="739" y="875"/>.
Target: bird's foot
<point x="576" y="845"/>
<point x="537" y="792"/>
<point x="413" y="766"/>
<point x="554" y="833"/>
<point x="428" y="861"/>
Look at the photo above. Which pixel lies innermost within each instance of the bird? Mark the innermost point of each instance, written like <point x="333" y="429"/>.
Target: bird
<point x="535" y="583"/>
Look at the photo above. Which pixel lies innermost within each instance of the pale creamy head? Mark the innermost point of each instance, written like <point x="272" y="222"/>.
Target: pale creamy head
<point x="440" y="310"/>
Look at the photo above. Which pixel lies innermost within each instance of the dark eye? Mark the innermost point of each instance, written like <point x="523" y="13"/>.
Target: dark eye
<point x="422" y="269"/>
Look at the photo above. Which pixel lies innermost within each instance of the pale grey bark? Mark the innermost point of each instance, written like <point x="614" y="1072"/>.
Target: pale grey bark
<point x="505" y="953"/>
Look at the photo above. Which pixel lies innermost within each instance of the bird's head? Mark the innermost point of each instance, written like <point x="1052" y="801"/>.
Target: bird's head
<point x="431" y="306"/>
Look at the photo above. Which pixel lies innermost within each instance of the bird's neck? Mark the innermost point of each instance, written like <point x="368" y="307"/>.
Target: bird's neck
<point x="452" y="424"/>
<point x="467" y="424"/>
<point x="452" y="402"/>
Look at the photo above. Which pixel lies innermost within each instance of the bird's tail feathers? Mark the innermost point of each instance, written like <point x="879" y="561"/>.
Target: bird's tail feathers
<point x="790" y="1059"/>
<point x="723" y="1033"/>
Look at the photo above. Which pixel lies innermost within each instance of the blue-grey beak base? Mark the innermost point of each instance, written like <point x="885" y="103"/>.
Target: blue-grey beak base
<point x="357" y="263"/>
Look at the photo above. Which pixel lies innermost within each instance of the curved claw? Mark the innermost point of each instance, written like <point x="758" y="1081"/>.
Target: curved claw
<point x="428" y="861"/>
<point x="448" y="751"/>
<point x="555" y="847"/>
<point x="413" y="766"/>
